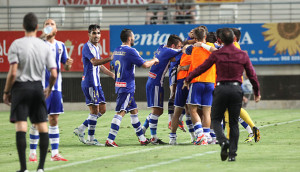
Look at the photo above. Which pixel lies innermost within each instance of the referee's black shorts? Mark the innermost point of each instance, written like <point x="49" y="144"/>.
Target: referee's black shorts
<point x="27" y="99"/>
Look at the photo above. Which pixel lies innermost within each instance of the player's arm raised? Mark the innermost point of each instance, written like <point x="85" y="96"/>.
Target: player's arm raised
<point x="97" y="62"/>
<point x="149" y="63"/>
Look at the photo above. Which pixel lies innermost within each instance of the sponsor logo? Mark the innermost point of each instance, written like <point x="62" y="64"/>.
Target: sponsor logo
<point x="152" y="75"/>
<point x="120" y="84"/>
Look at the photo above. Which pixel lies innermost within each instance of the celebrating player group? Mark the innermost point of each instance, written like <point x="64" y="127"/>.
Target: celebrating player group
<point x="191" y="93"/>
<point x="192" y="99"/>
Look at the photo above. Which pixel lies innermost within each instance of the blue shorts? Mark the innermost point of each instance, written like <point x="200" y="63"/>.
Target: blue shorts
<point x="126" y="102"/>
<point x="180" y="94"/>
<point x="200" y="93"/>
<point x="173" y="76"/>
<point x="55" y="103"/>
<point x="155" y="95"/>
<point x="93" y="95"/>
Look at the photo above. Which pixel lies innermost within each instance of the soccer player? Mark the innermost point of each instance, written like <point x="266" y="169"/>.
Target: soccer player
<point x="154" y="86"/>
<point x="180" y="100"/>
<point x="172" y="86"/>
<point x="54" y="101"/>
<point x="28" y="57"/>
<point x="91" y="87"/>
<point x="200" y="92"/>
<point x="125" y="60"/>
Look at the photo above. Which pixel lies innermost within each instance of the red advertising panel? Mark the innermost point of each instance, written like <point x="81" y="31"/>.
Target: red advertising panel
<point x="74" y="41"/>
<point x="100" y="2"/>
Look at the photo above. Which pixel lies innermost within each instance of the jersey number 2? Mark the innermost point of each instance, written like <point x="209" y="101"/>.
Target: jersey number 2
<point x="118" y="63"/>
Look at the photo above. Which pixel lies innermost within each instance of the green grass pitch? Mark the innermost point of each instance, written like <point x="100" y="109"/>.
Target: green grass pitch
<point x="278" y="149"/>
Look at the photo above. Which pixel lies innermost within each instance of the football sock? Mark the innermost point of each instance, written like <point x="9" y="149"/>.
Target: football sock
<point x="198" y="129"/>
<point x="206" y="132"/>
<point x="54" y="139"/>
<point x="189" y="123"/>
<point x="213" y="134"/>
<point x="92" y="122"/>
<point x="245" y="116"/>
<point x="137" y="126"/>
<point x="227" y="123"/>
<point x="33" y="139"/>
<point x="21" y="147"/>
<point x="170" y="109"/>
<point x="114" y="128"/>
<point x="153" y="125"/>
<point x="245" y="125"/>
<point x="44" y="143"/>
<point x="146" y="123"/>
<point x="173" y="136"/>
<point x="84" y="125"/>
<point x="99" y="115"/>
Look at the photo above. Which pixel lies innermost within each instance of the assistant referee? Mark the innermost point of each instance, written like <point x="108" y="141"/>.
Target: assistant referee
<point x="230" y="63"/>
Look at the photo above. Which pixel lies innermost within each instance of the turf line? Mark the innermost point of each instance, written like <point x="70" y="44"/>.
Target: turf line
<point x="171" y="161"/>
<point x="105" y="157"/>
<point x="199" y="154"/>
<point x="146" y="150"/>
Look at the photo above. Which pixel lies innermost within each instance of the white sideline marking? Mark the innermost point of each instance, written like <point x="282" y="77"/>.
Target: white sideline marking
<point x="105" y="157"/>
<point x="146" y="150"/>
<point x="169" y="162"/>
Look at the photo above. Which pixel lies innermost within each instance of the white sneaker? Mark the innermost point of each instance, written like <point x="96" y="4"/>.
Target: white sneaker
<point x="93" y="142"/>
<point x="40" y="170"/>
<point x="80" y="135"/>
<point x="172" y="142"/>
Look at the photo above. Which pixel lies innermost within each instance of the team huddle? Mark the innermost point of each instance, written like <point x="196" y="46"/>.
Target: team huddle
<point x="181" y="58"/>
<point x="205" y="79"/>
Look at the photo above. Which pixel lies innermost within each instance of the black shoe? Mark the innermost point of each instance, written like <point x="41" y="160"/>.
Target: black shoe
<point x="157" y="141"/>
<point x="256" y="133"/>
<point x="231" y="158"/>
<point x="224" y="150"/>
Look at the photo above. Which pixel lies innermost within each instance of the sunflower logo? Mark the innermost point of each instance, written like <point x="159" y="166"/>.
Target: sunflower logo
<point x="284" y="36"/>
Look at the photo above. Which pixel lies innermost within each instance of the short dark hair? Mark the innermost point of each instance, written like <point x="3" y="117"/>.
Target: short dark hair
<point x="211" y="37"/>
<point x="125" y="34"/>
<point x="93" y="27"/>
<point x="237" y="33"/>
<point x="218" y="32"/>
<point x="199" y="33"/>
<point x="227" y="36"/>
<point x="173" y="39"/>
<point x="30" y="22"/>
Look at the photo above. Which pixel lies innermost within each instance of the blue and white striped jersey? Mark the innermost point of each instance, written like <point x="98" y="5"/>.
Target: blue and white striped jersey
<point x="59" y="52"/>
<point x="91" y="75"/>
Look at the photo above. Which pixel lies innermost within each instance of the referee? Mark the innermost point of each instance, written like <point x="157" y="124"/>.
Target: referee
<point x="230" y="63"/>
<point x="23" y="90"/>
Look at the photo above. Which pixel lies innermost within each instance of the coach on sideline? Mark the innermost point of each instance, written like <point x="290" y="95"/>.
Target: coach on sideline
<point x="28" y="57"/>
<point x="230" y="63"/>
